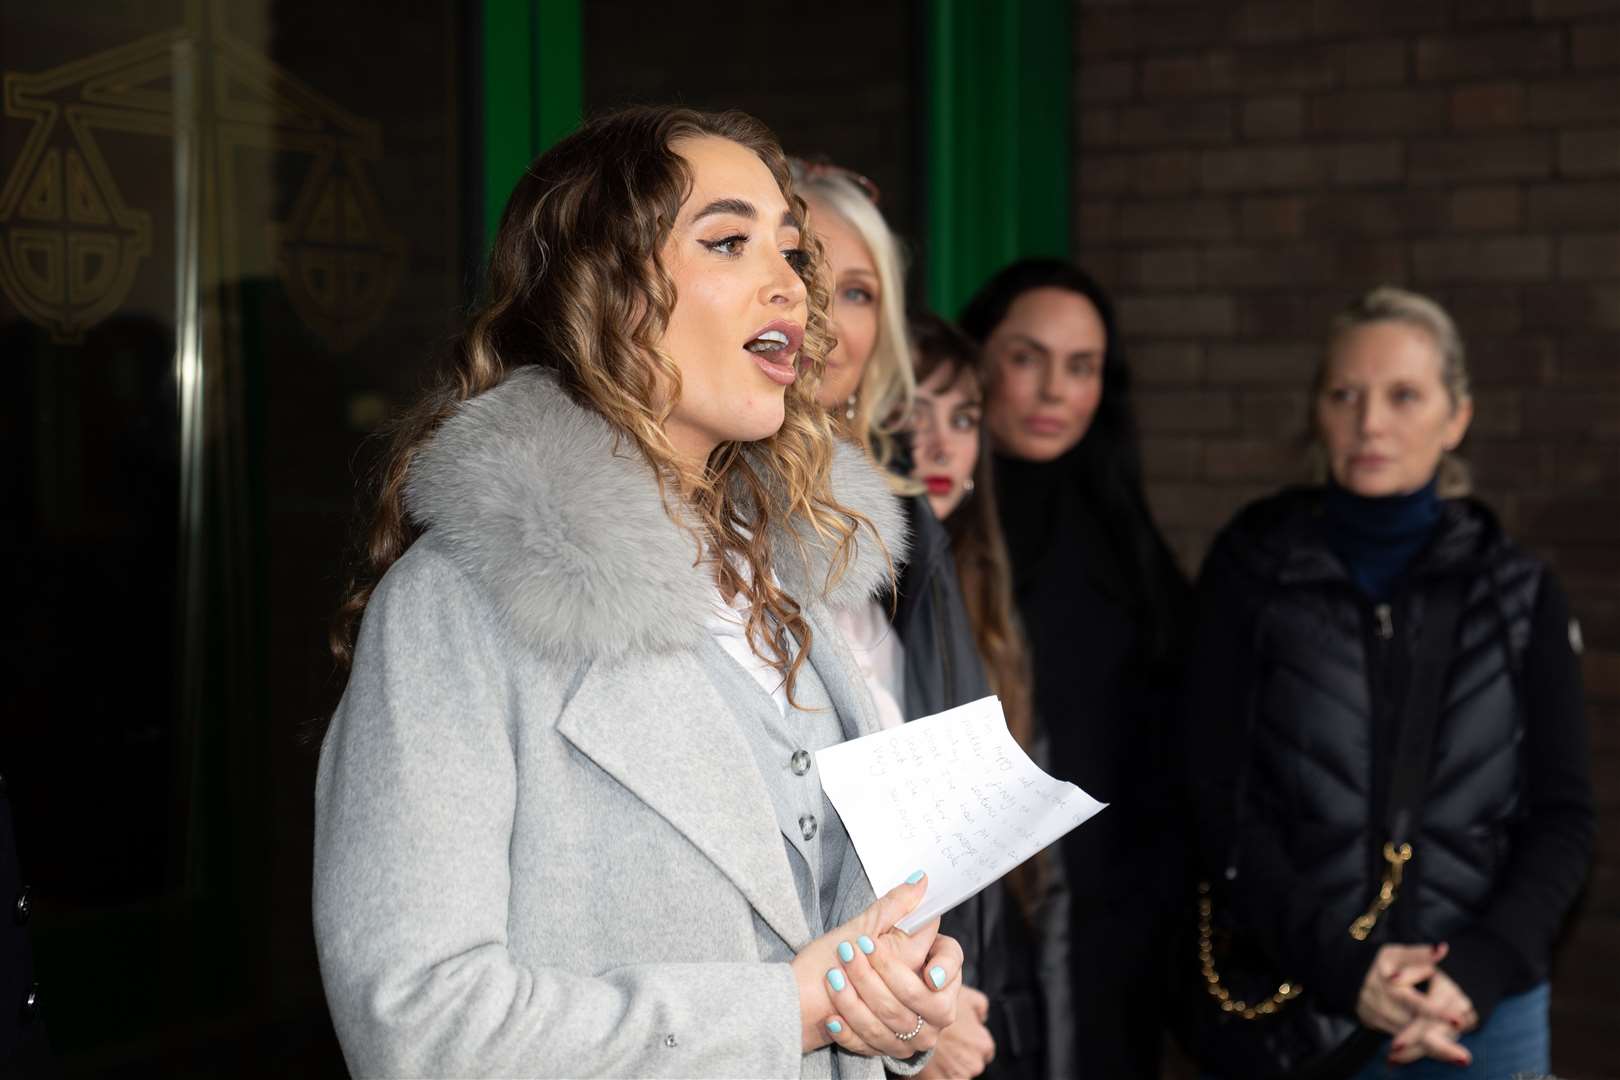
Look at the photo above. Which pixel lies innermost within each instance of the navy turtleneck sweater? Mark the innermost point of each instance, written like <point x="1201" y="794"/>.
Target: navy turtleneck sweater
<point x="1379" y="537"/>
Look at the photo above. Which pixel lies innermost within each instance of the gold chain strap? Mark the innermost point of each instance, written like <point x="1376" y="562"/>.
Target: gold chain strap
<point x="1212" y="978"/>
<point x="1397" y="858"/>
<point x="1361" y="929"/>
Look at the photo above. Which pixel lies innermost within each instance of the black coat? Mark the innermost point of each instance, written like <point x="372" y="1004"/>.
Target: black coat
<point x="1294" y="696"/>
<point x="23" y="1050"/>
<point x="1003" y="959"/>
<point x="1104" y="695"/>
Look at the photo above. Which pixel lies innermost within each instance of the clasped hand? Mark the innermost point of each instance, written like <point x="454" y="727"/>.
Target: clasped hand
<point x="865" y="983"/>
<point x="1423" y="1023"/>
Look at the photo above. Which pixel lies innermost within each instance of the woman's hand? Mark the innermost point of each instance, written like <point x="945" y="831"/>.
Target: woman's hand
<point x="965" y="1049"/>
<point x="1437" y="1038"/>
<point x="865" y="983"/>
<point x="1389" y="999"/>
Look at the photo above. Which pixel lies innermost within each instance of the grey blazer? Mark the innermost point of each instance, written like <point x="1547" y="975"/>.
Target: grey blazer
<point x="542" y="844"/>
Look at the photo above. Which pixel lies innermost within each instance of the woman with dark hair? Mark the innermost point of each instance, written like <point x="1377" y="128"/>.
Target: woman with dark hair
<point x="1102" y="602"/>
<point x="1392" y="789"/>
<point x="568" y="814"/>
<point x="1024" y="974"/>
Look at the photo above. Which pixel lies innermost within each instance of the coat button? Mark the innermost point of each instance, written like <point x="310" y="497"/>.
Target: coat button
<point x="669" y="1041"/>
<point x="800" y="761"/>
<point x="25" y="906"/>
<point x="807" y="826"/>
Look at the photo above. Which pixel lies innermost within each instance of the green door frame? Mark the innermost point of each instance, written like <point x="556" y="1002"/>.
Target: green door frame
<point x="998" y="122"/>
<point x="533" y="89"/>
<point x="1000" y="78"/>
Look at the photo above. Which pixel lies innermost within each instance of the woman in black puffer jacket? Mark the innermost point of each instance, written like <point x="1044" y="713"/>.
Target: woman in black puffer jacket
<point x="1320" y="637"/>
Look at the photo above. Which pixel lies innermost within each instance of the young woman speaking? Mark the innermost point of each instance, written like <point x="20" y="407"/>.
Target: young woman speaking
<point x="569" y="820"/>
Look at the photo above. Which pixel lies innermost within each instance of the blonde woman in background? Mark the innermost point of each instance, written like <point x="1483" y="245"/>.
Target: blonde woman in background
<point x="916" y="648"/>
<point x="1387" y="743"/>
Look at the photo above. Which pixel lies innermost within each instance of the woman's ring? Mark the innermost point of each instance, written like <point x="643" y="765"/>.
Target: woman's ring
<point x="914" y="1031"/>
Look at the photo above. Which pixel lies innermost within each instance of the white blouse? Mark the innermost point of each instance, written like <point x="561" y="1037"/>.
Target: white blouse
<point x="880" y="655"/>
<point x="728" y="623"/>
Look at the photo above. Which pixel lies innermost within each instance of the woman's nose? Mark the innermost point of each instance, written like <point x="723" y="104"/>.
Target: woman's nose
<point x="1370" y="417"/>
<point x="786" y="288"/>
<point x="1048" y="386"/>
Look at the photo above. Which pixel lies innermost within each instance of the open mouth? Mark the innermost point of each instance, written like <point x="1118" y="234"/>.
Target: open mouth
<point x="776" y="350"/>
<point x="771" y="341"/>
<point x="778" y="341"/>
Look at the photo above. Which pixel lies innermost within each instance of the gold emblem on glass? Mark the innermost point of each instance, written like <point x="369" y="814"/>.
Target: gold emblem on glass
<point x="70" y="247"/>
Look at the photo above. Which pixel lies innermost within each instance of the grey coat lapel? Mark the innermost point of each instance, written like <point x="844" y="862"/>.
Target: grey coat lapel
<point x="695" y="769"/>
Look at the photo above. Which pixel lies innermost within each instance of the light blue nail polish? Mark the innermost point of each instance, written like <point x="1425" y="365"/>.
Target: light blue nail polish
<point x="834" y="1026"/>
<point x="835" y="979"/>
<point x="866" y="945"/>
<point x="845" y="953"/>
<point x="937" y="974"/>
<point x="914" y="878"/>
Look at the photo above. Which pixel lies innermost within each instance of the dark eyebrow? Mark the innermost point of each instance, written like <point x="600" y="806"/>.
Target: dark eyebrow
<point x="742" y="208"/>
<point x="1031" y="342"/>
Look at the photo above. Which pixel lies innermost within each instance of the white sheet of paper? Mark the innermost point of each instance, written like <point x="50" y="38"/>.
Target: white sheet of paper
<point x="952" y="794"/>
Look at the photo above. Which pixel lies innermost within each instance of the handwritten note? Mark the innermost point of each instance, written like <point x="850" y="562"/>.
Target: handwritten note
<point x="952" y="794"/>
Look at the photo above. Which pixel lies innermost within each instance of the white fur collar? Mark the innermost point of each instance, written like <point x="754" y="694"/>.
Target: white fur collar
<point x="568" y="537"/>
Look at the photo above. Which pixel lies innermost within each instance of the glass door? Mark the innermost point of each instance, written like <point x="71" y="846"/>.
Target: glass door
<point x="232" y="238"/>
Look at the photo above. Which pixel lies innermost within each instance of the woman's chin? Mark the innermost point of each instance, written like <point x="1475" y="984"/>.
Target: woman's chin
<point x="1036" y="449"/>
<point x="1373" y="483"/>
<point x="758" y="422"/>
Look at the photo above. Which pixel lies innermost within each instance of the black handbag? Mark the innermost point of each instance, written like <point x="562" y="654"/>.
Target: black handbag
<point x="1238" y="1017"/>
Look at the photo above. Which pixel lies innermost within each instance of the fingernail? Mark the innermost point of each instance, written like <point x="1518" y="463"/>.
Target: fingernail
<point x="1398" y="1047"/>
<point x="916" y="876"/>
<point x="835" y="979"/>
<point x="866" y="945"/>
<point x="845" y="953"/>
<point x="834" y="1026"/>
<point x="937" y="975"/>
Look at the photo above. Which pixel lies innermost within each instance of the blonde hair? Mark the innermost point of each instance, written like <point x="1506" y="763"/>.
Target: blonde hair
<point x="888" y="385"/>
<point x="577" y="286"/>
<point x="1387" y="303"/>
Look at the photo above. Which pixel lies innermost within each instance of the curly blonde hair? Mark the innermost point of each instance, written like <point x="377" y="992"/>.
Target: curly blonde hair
<point x="577" y="285"/>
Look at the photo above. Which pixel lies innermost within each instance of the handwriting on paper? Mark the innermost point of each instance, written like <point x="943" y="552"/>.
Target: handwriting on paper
<point x="952" y="794"/>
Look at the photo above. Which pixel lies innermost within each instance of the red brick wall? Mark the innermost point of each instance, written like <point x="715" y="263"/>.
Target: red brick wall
<point x="1244" y="168"/>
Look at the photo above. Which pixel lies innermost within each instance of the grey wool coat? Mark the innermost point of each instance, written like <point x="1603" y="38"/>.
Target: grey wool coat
<point x="542" y="845"/>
